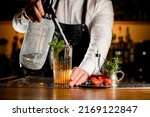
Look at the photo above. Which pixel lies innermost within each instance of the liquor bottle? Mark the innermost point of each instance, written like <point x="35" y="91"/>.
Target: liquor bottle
<point x="120" y="35"/>
<point x="120" y="42"/>
<point x="130" y="45"/>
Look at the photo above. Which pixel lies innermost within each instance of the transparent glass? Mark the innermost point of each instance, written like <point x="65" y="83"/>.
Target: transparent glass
<point x="62" y="66"/>
<point x="35" y="46"/>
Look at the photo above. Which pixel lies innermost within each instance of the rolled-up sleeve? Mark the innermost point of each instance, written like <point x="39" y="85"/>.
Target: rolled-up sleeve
<point x="101" y="35"/>
<point x="19" y="22"/>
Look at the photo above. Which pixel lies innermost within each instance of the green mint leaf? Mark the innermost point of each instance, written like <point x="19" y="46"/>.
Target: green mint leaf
<point x="52" y="44"/>
<point x="60" y="44"/>
<point x="57" y="45"/>
<point x="55" y="40"/>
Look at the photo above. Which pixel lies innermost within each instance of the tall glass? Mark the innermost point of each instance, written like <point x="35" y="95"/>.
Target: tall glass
<point x="62" y="66"/>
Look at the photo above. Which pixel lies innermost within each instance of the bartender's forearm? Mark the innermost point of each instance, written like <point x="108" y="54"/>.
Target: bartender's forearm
<point x="101" y="35"/>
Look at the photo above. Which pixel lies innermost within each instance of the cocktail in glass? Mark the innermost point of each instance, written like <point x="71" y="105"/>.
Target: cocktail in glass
<point x="62" y="65"/>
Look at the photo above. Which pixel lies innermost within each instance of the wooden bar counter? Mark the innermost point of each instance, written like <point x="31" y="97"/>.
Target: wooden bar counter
<point x="38" y="89"/>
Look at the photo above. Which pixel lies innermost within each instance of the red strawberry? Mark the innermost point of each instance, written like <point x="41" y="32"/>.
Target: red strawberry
<point x="95" y="81"/>
<point x="101" y="79"/>
<point x="108" y="81"/>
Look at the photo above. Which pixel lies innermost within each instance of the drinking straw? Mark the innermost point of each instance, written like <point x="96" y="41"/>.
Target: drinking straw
<point x="61" y="31"/>
<point x="55" y="19"/>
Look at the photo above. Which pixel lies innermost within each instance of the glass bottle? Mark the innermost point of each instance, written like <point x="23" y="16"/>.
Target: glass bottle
<point x="35" y="46"/>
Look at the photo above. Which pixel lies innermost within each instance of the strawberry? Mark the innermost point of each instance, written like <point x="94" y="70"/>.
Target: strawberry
<point x="108" y="81"/>
<point x="95" y="81"/>
<point x="101" y="79"/>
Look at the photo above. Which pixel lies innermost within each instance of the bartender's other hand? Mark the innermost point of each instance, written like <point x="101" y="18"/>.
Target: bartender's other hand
<point x="78" y="76"/>
<point x="34" y="10"/>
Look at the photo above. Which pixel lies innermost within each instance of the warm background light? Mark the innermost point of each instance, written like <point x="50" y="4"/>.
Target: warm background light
<point x="140" y="31"/>
<point x="7" y="32"/>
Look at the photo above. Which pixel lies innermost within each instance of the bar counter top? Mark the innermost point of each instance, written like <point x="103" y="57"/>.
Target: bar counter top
<point x="40" y="89"/>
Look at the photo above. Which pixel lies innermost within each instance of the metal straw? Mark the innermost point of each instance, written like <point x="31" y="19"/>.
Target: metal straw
<point x="55" y="19"/>
<point x="61" y="31"/>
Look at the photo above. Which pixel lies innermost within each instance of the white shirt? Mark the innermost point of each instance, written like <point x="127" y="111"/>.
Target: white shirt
<point x="99" y="20"/>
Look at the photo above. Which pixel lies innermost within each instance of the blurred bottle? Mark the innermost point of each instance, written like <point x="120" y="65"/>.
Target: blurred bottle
<point x="120" y="43"/>
<point x="130" y="45"/>
<point x="120" y="36"/>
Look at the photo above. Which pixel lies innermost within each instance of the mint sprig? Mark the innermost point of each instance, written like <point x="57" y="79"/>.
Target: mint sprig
<point x="57" y="45"/>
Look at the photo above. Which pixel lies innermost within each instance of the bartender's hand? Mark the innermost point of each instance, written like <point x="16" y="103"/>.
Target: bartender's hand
<point x="34" y="10"/>
<point x="78" y="76"/>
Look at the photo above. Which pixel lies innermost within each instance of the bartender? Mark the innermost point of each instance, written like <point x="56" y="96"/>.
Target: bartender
<point x="87" y="23"/>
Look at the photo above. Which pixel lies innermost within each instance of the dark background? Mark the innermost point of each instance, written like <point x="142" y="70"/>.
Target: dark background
<point x="8" y="8"/>
<point x="131" y="10"/>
